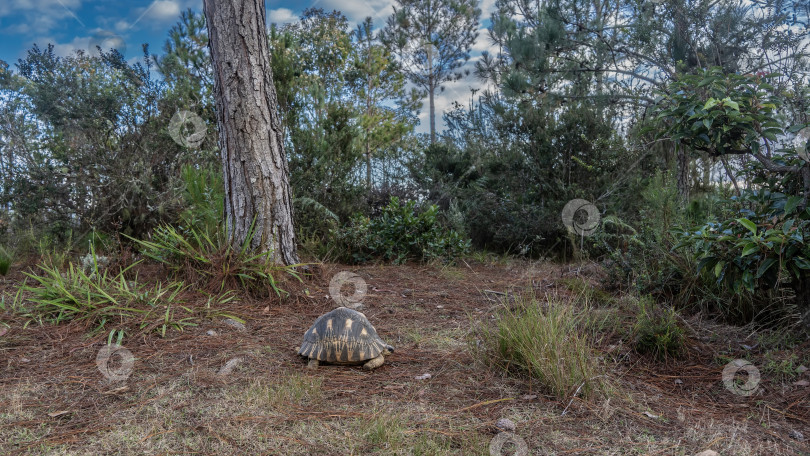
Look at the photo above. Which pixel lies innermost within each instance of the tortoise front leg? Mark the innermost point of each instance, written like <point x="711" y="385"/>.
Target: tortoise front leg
<point x="374" y="363"/>
<point x="313" y="363"/>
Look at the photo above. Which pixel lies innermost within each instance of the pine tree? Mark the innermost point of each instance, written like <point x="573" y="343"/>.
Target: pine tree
<point x="377" y="82"/>
<point x="432" y="40"/>
<point x="258" y="200"/>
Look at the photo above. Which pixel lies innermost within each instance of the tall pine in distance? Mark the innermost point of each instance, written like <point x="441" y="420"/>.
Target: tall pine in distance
<point x="432" y="41"/>
<point x="387" y="108"/>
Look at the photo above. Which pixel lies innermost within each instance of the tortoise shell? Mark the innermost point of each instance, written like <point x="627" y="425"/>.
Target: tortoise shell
<point x="342" y="336"/>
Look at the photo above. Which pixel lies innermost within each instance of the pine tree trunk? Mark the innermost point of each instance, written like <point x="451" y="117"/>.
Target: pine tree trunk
<point x="257" y="191"/>
<point x="683" y="174"/>
<point x="432" y="114"/>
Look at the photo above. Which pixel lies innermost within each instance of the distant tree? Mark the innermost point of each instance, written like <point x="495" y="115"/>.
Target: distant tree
<point x="187" y="62"/>
<point x="376" y="80"/>
<point x="258" y="198"/>
<point x="432" y="39"/>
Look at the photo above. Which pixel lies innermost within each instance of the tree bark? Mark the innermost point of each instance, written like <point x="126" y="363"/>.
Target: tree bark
<point x="683" y="174"/>
<point x="432" y="113"/>
<point x="257" y="190"/>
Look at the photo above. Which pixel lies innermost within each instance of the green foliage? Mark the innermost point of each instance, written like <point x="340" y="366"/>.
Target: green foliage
<point x="186" y="64"/>
<point x="755" y="251"/>
<point x="347" y="116"/>
<point x="204" y="194"/>
<point x="5" y="261"/>
<point x="657" y="331"/>
<point x="543" y="340"/>
<point x="93" y="151"/>
<point x="102" y="298"/>
<point x="758" y="241"/>
<point x="402" y="232"/>
<point x="511" y="167"/>
<point x="209" y="262"/>
<point x="376" y="80"/>
<point x="720" y="113"/>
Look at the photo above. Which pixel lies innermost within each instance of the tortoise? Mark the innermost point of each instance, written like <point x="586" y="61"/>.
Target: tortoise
<point x="344" y="336"/>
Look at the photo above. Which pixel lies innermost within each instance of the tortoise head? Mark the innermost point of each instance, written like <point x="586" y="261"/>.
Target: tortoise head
<point x="388" y="350"/>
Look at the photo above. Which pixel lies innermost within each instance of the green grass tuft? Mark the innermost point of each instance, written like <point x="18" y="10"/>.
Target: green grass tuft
<point x="5" y="261"/>
<point x="102" y="297"/>
<point x="209" y="262"/>
<point x="656" y="330"/>
<point x="544" y="340"/>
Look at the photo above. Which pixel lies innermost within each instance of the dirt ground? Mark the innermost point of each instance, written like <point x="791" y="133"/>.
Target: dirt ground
<point x="179" y="397"/>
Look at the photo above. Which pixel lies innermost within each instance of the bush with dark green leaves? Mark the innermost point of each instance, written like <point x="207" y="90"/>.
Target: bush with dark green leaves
<point x="756" y="245"/>
<point x="758" y="250"/>
<point x="402" y="232"/>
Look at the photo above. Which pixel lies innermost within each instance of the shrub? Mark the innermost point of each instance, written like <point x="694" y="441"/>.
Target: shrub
<point x="211" y="263"/>
<point x="657" y="331"/>
<point x="543" y="341"/>
<point x="204" y="195"/>
<point x="755" y="251"/>
<point x="402" y="232"/>
<point x="101" y="298"/>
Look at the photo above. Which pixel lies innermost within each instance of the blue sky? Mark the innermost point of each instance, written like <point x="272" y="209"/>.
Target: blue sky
<point x="81" y="24"/>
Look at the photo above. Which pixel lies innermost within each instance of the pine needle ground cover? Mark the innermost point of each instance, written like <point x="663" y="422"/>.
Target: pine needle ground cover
<point x="218" y="388"/>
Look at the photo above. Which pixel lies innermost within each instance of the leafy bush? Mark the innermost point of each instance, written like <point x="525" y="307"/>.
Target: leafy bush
<point x="543" y="341"/>
<point x="400" y="233"/>
<point x="758" y="243"/>
<point x="758" y="251"/>
<point x="656" y="330"/>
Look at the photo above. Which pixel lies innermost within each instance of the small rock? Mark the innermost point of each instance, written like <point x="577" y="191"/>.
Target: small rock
<point x="407" y="292"/>
<point x="3" y="331"/>
<point x="801" y="369"/>
<point x="422" y="377"/>
<point x="796" y="435"/>
<point x="801" y="383"/>
<point x="707" y="453"/>
<point x="229" y="366"/>
<point x="678" y="381"/>
<point x="211" y="332"/>
<point x="528" y="397"/>
<point x="650" y="415"/>
<point x="505" y="424"/>
<point x="239" y="326"/>
<point x="440" y="306"/>
<point x="443" y="294"/>
<point x="25" y="360"/>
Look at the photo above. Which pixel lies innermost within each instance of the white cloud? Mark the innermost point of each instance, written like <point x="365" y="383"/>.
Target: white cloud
<point x="357" y="11"/>
<point x="62" y="49"/>
<point x="48" y="7"/>
<point x="121" y="26"/>
<point x="281" y="16"/>
<point x="17" y="29"/>
<point x="162" y="11"/>
<point x="39" y="16"/>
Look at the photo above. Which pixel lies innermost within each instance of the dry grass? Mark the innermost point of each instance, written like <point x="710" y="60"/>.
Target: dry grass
<point x="174" y="401"/>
